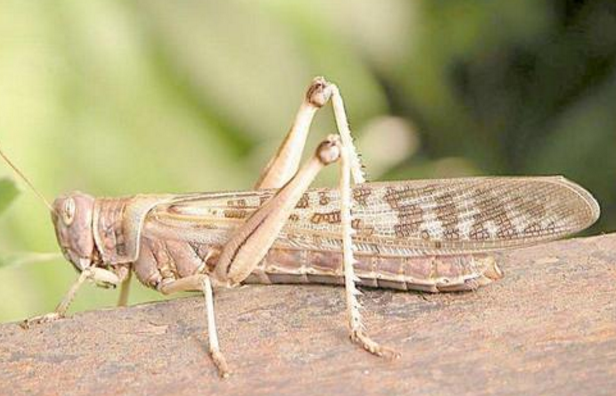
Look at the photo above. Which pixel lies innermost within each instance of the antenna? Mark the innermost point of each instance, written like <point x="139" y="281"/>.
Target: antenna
<point x="24" y="178"/>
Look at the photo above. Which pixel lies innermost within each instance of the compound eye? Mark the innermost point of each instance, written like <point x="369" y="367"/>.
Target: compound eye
<point x="68" y="211"/>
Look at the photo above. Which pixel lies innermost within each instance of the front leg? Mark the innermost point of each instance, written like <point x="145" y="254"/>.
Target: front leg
<point x="97" y="275"/>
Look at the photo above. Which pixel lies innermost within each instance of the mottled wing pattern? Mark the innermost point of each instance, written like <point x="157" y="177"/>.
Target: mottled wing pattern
<point x="407" y="218"/>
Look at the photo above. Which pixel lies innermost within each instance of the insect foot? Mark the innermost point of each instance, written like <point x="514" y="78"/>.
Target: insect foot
<point x="493" y="271"/>
<point x="47" y="318"/>
<point x="318" y="92"/>
<point x="373" y="347"/>
<point x="221" y="364"/>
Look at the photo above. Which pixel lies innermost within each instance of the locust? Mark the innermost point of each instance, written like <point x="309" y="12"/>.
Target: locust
<point x="416" y="235"/>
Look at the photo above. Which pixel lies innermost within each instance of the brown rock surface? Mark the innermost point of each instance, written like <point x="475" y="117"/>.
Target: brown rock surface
<point x="549" y="327"/>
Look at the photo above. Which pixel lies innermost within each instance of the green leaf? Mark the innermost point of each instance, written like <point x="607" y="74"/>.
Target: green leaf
<point x="8" y="192"/>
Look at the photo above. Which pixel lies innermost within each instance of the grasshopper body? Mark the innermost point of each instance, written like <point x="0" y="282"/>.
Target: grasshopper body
<point x="165" y="238"/>
<point x="427" y="235"/>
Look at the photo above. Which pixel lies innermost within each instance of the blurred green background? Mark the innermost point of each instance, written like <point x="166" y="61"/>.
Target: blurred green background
<point x="121" y="97"/>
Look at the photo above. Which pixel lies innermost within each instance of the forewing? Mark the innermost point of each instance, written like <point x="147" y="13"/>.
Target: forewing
<point x="412" y="217"/>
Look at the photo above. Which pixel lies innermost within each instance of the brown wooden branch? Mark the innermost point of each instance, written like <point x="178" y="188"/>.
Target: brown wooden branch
<point x="549" y="327"/>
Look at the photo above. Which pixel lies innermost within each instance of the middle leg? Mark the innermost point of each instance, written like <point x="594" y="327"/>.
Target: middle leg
<point x="201" y="282"/>
<point x="250" y="243"/>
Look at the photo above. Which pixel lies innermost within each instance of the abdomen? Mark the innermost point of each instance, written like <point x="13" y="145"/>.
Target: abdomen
<point x="164" y="261"/>
<point x="427" y="273"/>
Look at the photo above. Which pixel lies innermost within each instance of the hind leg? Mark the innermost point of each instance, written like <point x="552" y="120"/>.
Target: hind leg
<point x="285" y="163"/>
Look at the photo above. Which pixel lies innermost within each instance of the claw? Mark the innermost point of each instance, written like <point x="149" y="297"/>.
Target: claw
<point x="221" y="364"/>
<point x="47" y="318"/>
